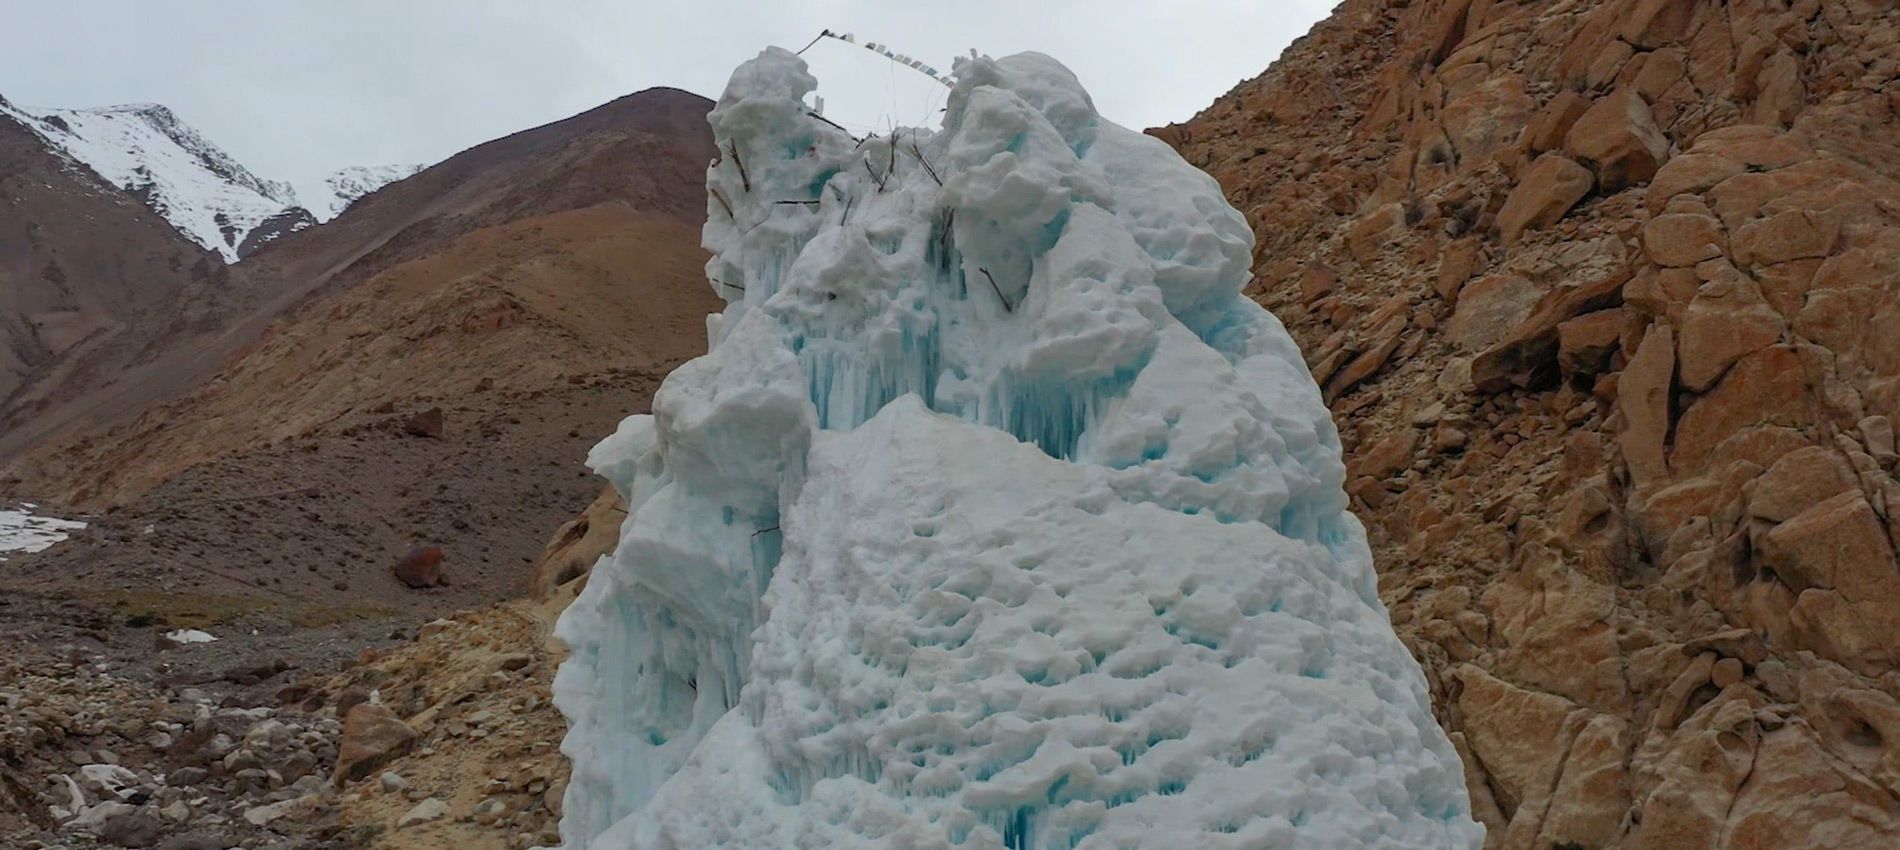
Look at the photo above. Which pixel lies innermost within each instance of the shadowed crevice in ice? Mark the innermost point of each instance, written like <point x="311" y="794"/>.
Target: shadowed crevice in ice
<point x="995" y="517"/>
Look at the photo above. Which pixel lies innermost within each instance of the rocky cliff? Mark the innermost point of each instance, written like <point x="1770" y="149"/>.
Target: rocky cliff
<point x="1602" y="293"/>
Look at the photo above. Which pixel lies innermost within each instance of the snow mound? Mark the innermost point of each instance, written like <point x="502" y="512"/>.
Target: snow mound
<point x="994" y="518"/>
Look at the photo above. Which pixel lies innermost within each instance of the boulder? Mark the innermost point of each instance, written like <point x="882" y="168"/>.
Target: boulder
<point x="1651" y="24"/>
<point x="1643" y="394"/>
<point x="1801" y="797"/>
<point x="1770" y="385"/>
<point x="1549" y="188"/>
<point x="1799" y="480"/>
<point x="1548" y="128"/>
<point x="1490" y="306"/>
<point x="1683" y="239"/>
<point x="1377" y="229"/>
<point x="578" y="544"/>
<point x="1487" y="117"/>
<point x="1592" y="796"/>
<point x="1527" y="354"/>
<point x="428" y="423"/>
<point x="1727" y="320"/>
<point x="1779" y="93"/>
<point x="1586" y="344"/>
<point x="1316" y="282"/>
<point x="1689" y="173"/>
<point x="1520" y="737"/>
<point x="1619" y="140"/>
<point x="1837" y="558"/>
<point x="1791" y="235"/>
<point x="130" y="830"/>
<point x="427" y="811"/>
<point x="421" y="568"/>
<point x="373" y="736"/>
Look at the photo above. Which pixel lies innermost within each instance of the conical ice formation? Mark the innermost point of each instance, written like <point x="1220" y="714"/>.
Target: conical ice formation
<point x="995" y="518"/>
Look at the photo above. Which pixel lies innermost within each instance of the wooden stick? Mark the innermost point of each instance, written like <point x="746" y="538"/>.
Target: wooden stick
<point x="999" y="291"/>
<point x="925" y="162"/>
<point x="743" y="179"/>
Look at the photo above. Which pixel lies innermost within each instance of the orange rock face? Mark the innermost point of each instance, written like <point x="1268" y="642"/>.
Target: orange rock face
<point x="1629" y="468"/>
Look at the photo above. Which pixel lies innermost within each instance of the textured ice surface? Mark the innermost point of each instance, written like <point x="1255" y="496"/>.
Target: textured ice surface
<point x="994" y="518"/>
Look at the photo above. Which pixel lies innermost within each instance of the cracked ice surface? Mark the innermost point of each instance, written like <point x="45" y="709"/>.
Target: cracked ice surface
<point x="994" y="518"/>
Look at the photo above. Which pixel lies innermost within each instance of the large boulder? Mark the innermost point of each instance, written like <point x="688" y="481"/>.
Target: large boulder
<point x="373" y="736"/>
<point x="420" y="568"/>
<point x="1619" y="140"/>
<point x="1836" y="557"/>
<point x="1550" y="187"/>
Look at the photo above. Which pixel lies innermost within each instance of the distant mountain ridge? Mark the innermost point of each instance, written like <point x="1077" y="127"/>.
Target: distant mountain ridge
<point x="211" y="198"/>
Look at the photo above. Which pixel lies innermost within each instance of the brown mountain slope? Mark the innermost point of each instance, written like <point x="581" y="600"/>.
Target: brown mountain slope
<point x="1603" y="292"/>
<point x="91" y="281"/>
<point x="646" y="152"/>
<point x="533" y="290"/>
<point x="294" y="476"/>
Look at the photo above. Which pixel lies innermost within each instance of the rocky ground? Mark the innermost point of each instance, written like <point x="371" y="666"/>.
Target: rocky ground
<point x="441" y="738"/>
<point x="304" y="532"/>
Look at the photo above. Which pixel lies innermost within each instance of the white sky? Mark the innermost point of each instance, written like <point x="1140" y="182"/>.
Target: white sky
<point x="295" y="89"/>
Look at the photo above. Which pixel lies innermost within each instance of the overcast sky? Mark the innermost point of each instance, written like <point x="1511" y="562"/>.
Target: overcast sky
<point x="295" y="89"/>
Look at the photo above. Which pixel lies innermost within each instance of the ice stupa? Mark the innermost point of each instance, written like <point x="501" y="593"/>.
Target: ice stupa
<point x="994" y="518"/>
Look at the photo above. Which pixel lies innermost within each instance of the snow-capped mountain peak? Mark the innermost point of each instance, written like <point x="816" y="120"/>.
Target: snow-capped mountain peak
<point x="146" y="149"/>
<point x="328" y="199"/>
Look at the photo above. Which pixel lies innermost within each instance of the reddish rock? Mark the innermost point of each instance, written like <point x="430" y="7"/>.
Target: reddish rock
<point x="428" y="423"/>
<point x="1487" y="117"/>
<point x="1550" y="187"/>
<point x="373" y="736"/>
<point x="1683" y="239"/>
<point x="1489" y="307"/>
<point x="1385" y="340"/>
<point x="1586" y="343"/>
<point x="1619" y="140"/>
<point x="1651" y="24"/>
<point x="1837" y="558"/>
<point x="1389" y="455"/>
<point x="1527" y="354"/>
<point x="1799" y="480"/>
<point x="1792" y="235"/>
<point x="1377" y="229"/>
<point x="1690" y="173"/>
<point x="1643" y="394"/>
<point x="1316" y="282"/>
<point x="578" y="545"/>
<point x="1548" y="128"/>
<point x="1770" y="385"/>
<point x="1456" y="265"/>
<point x="1726" y="321"/>
<point x="1779" y="93"/>
<point x="421" y="568"/>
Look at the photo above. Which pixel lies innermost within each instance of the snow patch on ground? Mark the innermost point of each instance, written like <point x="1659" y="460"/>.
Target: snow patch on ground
<point x="22" y="531"/>
<point x="189" y="636"/>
